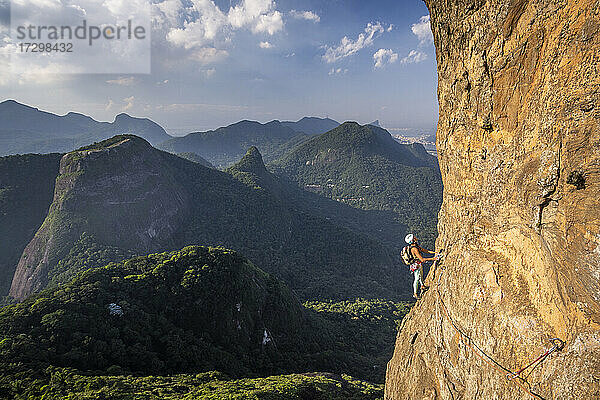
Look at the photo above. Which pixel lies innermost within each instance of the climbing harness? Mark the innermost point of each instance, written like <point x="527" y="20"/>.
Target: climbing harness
<point x="557" y="345"/>
<point x="513" y="377"/>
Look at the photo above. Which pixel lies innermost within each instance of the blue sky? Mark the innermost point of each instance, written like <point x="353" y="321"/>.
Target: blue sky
<point x="214" y="63"/>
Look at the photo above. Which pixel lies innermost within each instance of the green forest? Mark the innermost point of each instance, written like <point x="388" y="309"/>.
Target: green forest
<point x="184" y="312"/>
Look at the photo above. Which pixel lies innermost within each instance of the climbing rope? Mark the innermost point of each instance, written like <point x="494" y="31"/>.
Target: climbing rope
<point x="513" y="377"/>
<point x="557" y="345"/>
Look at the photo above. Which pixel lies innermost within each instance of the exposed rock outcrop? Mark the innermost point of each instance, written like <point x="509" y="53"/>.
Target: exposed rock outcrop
<point x="519" y="147"/>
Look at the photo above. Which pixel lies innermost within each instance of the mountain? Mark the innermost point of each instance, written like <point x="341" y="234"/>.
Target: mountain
<point x="376" y="123"/>
<point x="520" y="225"/>
<point x="363" y="166"/>
<point x="142" y="127"/>
<point x="377" y="224"/>
<point x="227" y="145"/>
<point x="122" y="197"/>
<point x="26" y="189"/>
<point x="197" y="309"/>
<point x="26" y="129"/>
<point x="61" y="383"/>
<point x="312" y="125"/>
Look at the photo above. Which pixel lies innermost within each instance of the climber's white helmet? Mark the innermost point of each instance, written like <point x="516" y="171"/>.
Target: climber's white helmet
<point x="409" y="238"/>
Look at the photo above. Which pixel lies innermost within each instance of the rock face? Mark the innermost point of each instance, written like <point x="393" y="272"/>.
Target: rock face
<point x="519" y="147"/>
<point x="122" y="192"/>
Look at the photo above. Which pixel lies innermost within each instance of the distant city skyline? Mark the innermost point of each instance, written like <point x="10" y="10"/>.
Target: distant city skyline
<point x="217" y="62"/>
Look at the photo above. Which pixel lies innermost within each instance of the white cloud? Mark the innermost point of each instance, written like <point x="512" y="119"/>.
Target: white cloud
<point x="265" y="45"/>
<point x="348" y="47"/>
<point x="33" y="74"/>
<point x="414" y="57"/>
<point x="337" y="71"/>
<point x="422" y="30"/>
<point x="208" y="55"/>
<point x="383" y="57"/>
<point x="129" y="105"/>
<point x="201" y="31"/>
<point x="167" y="12"/>
<point x="269" y="23"/>
<point x="307" y="15"/>
<point x="290" y="55"/>
<point x="122" y="81"/>
<point x="126" y="56"/>
<point x="109" y="105"/>
<point x="389" y="28"/>
<point x="206" y="26"/>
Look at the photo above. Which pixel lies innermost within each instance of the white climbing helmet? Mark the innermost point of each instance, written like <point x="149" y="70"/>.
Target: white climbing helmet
<point x="409" y="238"/>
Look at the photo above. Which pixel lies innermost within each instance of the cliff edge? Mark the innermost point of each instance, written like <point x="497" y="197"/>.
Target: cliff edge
<point x="519" y="149"/>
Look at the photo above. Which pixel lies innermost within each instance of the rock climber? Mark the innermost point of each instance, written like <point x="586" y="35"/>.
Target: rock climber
<point x="413" y="256"/>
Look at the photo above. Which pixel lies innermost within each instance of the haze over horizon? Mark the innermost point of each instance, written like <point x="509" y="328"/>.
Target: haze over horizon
<point x="215" y="63"/>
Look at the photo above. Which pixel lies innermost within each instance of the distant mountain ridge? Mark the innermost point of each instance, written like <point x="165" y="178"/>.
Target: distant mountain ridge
<point x="26" y="129"/>
<point x="312" y="125"/>
<point x="225" y="146"/>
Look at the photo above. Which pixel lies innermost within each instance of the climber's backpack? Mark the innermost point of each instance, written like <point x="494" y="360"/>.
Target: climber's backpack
<point x="407" y="255"/>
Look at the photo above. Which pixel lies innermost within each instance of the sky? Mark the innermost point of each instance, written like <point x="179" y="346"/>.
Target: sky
<point x="213" y="63"/>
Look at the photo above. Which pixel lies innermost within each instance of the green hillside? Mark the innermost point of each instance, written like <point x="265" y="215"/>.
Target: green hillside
<point x="195" y="158"/>
<point x="26" y="191"/>
<point x="377" y="224"/>
<point x="364" y="167"/>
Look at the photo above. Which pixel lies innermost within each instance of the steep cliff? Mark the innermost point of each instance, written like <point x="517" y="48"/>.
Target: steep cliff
<point x="121" y="192"/>
<point x="519" y="146"/>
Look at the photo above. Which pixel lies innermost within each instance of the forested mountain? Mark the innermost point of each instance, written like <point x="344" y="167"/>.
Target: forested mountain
<point x="123" y="197"/>
<point x="197" y="309"/>
<point x="26" y="129"/>
<point x="26" y="190"/>
<point x="373" y="223"/>
<point x="363" y="166"/>
<point x="188" y="311"/>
